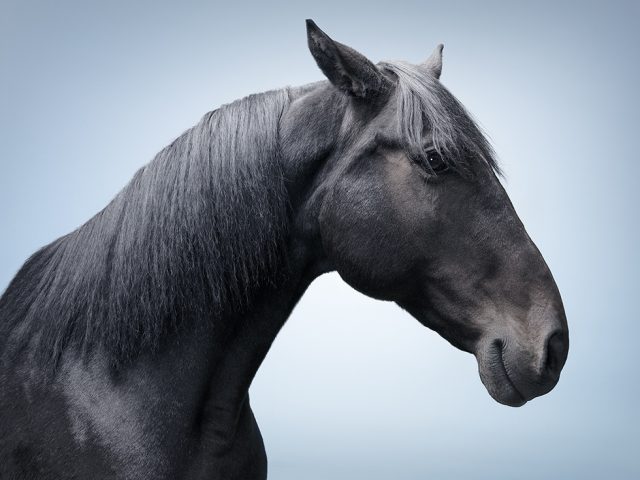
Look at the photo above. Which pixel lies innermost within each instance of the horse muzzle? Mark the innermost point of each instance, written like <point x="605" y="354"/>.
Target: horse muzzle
<point x="515" y="373"/>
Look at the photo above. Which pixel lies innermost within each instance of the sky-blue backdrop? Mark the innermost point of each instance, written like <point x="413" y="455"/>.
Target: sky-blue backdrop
<point x="354" y="388"/>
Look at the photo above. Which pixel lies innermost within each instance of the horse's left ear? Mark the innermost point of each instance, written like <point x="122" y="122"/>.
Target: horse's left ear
<point x="347" y="69"/>
<point x="434" y="63"/>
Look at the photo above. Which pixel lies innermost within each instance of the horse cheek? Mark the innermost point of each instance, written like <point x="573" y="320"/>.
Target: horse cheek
<point x="363" y="239"/>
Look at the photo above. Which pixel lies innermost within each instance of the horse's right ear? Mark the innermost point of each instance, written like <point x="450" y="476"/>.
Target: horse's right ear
<point x="347" y="69"/>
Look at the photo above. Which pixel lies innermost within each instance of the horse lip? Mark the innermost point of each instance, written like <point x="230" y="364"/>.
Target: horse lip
<point x="505" y="373"/>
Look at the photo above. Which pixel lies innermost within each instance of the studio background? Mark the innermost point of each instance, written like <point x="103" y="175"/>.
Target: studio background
<point x="355" y="388"/>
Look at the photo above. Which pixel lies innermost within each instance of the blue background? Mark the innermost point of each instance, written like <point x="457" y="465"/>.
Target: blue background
<point x="354" y="388"/>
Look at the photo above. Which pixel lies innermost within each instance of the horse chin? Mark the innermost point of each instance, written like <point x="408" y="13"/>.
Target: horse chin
<point x="503" y="391"/>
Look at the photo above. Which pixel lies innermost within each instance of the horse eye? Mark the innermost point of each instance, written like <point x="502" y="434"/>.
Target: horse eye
<point x="436" y="163"/>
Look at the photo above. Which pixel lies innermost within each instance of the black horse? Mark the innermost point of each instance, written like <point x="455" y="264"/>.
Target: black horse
<point x="128" y="346"/>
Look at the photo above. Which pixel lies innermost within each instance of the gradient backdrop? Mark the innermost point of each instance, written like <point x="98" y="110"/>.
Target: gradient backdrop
<point x="354" y="388"/>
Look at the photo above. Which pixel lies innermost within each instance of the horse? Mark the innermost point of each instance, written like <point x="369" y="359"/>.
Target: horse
<point x="128" y="346"/>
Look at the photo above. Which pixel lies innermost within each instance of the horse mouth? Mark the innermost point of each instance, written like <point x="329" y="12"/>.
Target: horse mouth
<point x="521" y="400"/>
<point x="495" y="376"/>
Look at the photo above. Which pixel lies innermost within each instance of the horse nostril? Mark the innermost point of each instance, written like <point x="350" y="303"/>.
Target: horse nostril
<point x="556" y="350"/>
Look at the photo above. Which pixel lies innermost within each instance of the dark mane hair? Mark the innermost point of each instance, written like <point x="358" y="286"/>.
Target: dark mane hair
<point x="192" y="234"/>
<point x="425" y="104"/>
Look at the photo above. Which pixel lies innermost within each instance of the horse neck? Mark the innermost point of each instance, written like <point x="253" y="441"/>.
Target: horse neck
<point x="238" y="356"/>
<point x="233" y="359"/>
<point x="221" y="357"/>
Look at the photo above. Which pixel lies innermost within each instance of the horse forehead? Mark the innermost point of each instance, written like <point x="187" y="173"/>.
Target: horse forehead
<point x="385" y="123"/>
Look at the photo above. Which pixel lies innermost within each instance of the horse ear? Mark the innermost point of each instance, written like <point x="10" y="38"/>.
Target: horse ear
<point x="434" y="63"/>
<point x="345" y="68"/>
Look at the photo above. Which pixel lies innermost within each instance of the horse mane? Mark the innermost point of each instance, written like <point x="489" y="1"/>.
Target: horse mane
<point x="191" y="236"/>
<point x="424" y="104"/>
<point x="198" y="230"/>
